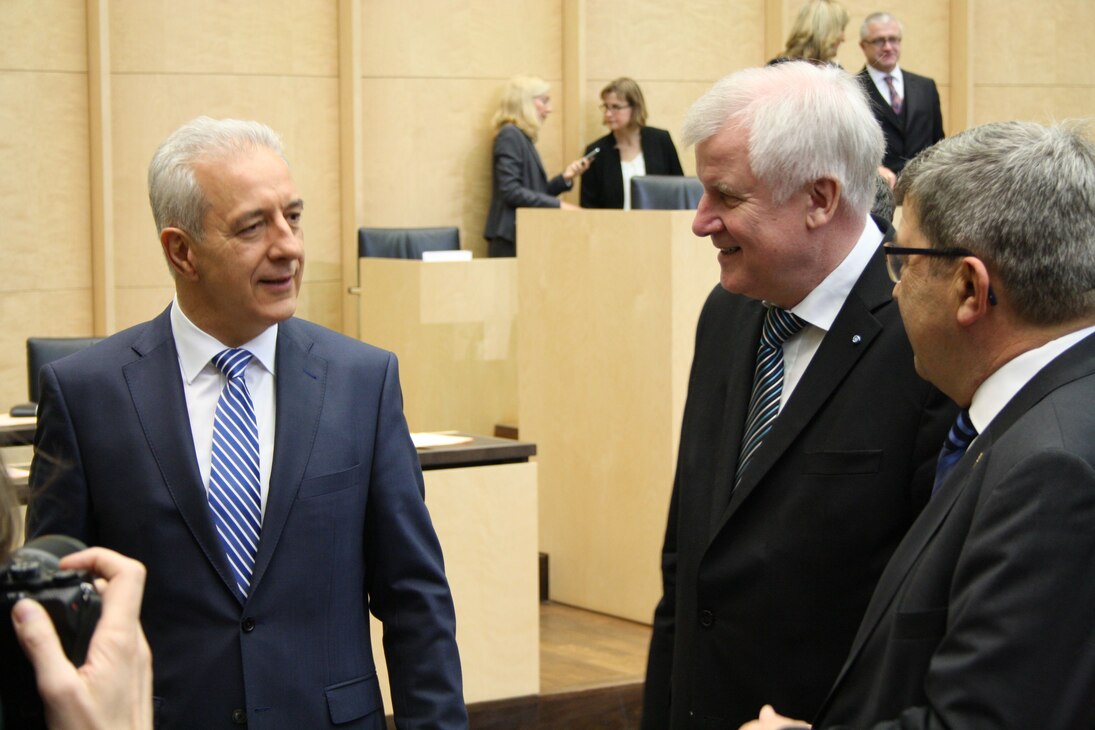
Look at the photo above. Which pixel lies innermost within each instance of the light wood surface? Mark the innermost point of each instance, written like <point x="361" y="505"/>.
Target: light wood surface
<point x="608" y="303"/>
<point x="485" y="517"/>
<point x="452" y="324"/>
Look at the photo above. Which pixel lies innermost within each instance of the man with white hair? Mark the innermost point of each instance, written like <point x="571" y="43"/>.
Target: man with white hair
<point x="983" y="617"/>
<point x="905" y="104"/>
<point x="808" y="441"/>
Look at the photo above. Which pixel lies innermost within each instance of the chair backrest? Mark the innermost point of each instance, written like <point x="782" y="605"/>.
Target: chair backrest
<point x="406" y="243"/>
<point x="665" y="192"/>
<point x="44" y="350"/>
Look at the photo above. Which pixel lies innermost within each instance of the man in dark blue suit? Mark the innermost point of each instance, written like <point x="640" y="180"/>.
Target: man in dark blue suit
<point x="273" y="491"/>
<point x="905" y="104"/>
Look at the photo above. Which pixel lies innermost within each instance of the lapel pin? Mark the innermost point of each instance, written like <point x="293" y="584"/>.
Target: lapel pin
<point x="856" y="339"/>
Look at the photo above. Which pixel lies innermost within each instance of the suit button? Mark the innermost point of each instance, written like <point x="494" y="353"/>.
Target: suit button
<point x="239" y="716"/>
<point x="248" y="625"/>
<point x="707" y="619"/>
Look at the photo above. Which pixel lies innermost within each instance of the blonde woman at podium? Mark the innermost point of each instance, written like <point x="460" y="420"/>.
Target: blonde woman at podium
<point x="519" y="177"/>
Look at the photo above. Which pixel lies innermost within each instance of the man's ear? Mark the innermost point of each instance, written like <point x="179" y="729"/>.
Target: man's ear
<point x="824" y="198"/>
<point x="974" y="289"/>
<point x="177" y="247"/>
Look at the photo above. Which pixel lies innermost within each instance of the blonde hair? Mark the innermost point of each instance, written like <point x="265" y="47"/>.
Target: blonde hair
<point x="628" y="90"/>
<point x="818" y="27"/>
<point x="517" y="106"/>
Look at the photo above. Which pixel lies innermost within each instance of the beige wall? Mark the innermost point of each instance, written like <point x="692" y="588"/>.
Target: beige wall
<point x="79" y="248"/>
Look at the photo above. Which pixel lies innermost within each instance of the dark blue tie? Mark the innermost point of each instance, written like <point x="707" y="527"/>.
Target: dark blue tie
<point x="959" y="438"/>
<point x="779" y="324"/>
<point x="234" y="496"/>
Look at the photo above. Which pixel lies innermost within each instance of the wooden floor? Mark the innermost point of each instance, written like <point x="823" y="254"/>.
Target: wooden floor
<point x="582" y="650"/>
<point x="591" y="674"/>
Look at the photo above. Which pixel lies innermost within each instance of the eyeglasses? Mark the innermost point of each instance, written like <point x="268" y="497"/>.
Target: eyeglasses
<point x="881" y="42"/>
<point x="614" y="107"/>
<point x="895" y="257"/>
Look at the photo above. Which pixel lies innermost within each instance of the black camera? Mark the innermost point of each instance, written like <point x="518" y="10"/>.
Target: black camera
<point x="70" y="599"/>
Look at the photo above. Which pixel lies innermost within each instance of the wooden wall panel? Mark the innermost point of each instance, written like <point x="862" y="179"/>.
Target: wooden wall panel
<point x="44" y="188"/>
<point x="432" y="76"/>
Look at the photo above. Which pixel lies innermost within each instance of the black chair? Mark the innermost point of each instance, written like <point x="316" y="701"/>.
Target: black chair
<point x="665" y="192"/>
<point x="406" y="243"/>
<point x="42" y="351"/>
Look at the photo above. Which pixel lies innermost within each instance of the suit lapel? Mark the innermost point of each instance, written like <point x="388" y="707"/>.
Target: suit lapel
<point x="882" y="103"/>
<point x="300" y="386"/>
<point x="854" y="330"/>
<point x="1073" y="364"/>
<point x="165" y="420"/>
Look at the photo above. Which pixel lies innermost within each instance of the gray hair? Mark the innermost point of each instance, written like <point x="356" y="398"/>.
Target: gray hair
<point x="805" y="122"/>
<point x="176" y="197"/>
<point x="1021" y="196"/>
<point x="879" y="18"/>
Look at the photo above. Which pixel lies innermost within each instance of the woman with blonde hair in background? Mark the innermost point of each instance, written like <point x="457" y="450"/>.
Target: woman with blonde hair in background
<point x="629" y="149"/>
<point x="519" y="177"/>
<point x="817" y="33"/>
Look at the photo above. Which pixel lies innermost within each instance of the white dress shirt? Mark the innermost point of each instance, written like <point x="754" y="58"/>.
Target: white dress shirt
<point x="1000" y="387"/>
<point x="879" y="79"/>
<point x="628" y="170"/>
<point x="203" y="383"/>
<point x="821" y="306"/>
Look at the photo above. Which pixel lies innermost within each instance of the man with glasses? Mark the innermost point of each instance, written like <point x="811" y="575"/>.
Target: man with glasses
<point x="983" y="617"/>
<point x="905" y="104"/>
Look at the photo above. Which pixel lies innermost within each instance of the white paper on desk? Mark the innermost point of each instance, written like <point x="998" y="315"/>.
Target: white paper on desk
<point x="459" y="255"/>
<point x="427" y="440"/>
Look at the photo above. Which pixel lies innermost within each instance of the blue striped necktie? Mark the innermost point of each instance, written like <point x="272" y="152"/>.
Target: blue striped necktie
<point x="779" y="324"/>
<point x="234" y="471"/>
<point x="959" y="438"/>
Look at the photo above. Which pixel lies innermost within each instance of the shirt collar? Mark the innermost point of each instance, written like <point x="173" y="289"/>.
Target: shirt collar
<point x="1000" y="387"/>
<point x="196" y="347"/>
<point x="821" y="306"/>
<point x="880" y="76"/>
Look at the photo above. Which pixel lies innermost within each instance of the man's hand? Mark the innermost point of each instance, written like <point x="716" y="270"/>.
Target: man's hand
<point x="113" y="689"/>
<point x="769" y="719"/>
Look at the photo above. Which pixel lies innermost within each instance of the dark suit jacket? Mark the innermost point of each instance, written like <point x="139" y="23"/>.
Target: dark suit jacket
<point x="603" y="183"/>
<point x="920" y="124"/>
<point x="983" y="618"/>
<point x="519" y="182"/>
<point x="763" y="590"/>
<point x="345" y="532"/>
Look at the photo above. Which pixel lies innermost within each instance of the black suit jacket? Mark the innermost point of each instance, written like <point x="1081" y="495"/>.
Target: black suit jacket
<point x="519" y="182"/>
<point x="920" y="124"/>
<point x="983" y="618"/>
<point x="763" y="590"/>
<point x="345" y="533"/>
<point x="603" y="183"/>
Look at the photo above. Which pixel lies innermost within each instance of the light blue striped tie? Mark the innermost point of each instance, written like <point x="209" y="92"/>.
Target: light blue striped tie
<point x="779" y="324"/>
<point x="234" y="473"/>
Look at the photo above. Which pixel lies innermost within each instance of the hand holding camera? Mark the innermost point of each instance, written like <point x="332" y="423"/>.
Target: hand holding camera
<point x="113" y="687"/>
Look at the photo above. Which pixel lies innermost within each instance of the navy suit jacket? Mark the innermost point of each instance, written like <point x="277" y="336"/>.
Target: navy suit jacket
<point x="603" y="182"/>
<point x="983" y="617"/>
<point x="764" y="585"/>
<point x="519" y="181"/>
<point x="345" y="533"/>
<point x="917" y="127"/>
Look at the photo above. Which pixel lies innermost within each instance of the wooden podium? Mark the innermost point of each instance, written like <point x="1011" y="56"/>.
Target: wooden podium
<point x="609" y="302"/>
<point x="452" y="325"/>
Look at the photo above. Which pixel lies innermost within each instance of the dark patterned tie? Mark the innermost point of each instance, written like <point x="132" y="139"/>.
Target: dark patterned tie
<point x="895" y="98"/>
<point x="959" y="438"/>
<point x="234" y="496"/>
<point x="779" y="324"/>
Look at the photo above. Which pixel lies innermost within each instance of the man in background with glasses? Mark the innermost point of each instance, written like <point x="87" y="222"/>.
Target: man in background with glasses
<point x="905" y="104"/>
<point x="983" y="617"/>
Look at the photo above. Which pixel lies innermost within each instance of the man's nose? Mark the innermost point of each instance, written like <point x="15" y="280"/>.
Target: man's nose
<point x="706" y="222"/>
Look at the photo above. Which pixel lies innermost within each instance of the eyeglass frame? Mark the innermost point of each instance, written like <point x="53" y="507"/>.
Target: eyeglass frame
<point x="895" y="275"/>
<point x="614" y="108"/>
<point x="880" y="43"/>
